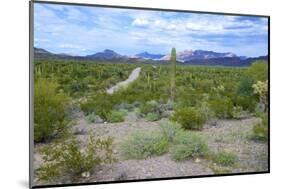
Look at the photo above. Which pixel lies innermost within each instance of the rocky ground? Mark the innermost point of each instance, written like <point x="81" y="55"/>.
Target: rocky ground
<point x="230" y="135"/>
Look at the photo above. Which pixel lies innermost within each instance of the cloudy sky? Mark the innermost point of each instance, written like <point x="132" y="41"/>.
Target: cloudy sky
<point x="82" y="30"/>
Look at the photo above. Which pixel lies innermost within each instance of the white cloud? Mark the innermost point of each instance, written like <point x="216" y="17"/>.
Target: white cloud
<point x="129" y="31"/>
<point x="140" y="22"/>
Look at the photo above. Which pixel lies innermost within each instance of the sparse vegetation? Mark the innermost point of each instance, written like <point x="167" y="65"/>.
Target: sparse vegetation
<point x="69" y="159"/>
<point x="170" y="130"/>
<point x="190" y="98"/>
<point x="188" y="118"/>
<point x="225" y="158"/>
<point x="141" y="145"/>
<point x="188" y="144"/>
<point x="91" y="118"/>
<point x="222" y="107"/>
<point x="260" y="130"/>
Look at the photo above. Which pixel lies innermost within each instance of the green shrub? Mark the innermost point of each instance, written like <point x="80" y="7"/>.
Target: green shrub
<point x="246" y="102"/>
<point x="91" y="118"/>
<point x="188" y="144"/>
<point x="170" y="130"/>
<point x="101" y="103"/>
<point x="260" y="130"/>
<point x="222" y="107"/>
<point x="152" y="117"/>
<point x="150" y="107"/>
<point x="225" y="158"/>
<point x="50" y="117"/>
<point x="67" y="158"/>
<point x="188" y="118"/>
<point x="244" y="87"/>
<point x="124" y="111"/>
<point x="258" y="71"/>
<point x="115" y="116"/>
<point x="141" y="145"/>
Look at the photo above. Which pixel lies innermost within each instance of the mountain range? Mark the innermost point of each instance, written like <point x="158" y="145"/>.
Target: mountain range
<point x="187" y="57"/>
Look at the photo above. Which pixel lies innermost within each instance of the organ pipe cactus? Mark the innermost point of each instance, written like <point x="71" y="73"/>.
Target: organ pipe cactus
<point x="173" y="73"/>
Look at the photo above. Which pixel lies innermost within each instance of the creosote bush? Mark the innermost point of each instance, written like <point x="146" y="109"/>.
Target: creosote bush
<point x="188" y="144"/>
<point x="69" y="160"/>
<point x="222" y="107"/>
<point x="225" y="158"/>
<point x="51" y="119"/>
<point x="115" y="116"/>
<point x="141" y="145"/>
<point x="188" y="118"/>
<point x="100" y="103"/>
<point x="150" y="107"/>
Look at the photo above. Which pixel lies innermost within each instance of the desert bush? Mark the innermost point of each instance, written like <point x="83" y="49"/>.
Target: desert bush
<point x="222" y="107"/>
<point x="239" y="113"/>
<point x="258" y="71"/>
<point x="225" y="158"/>
<point x="115" y="116"/>
<point x="91" y="118"/>
<point x="170" y="130"/>
<point x="188" y="118"/>
<point x="152" y="117"/>
<point x="50" y="117"/>
<point x="188" y="144"/>
<point x="150" y="107"/>
<point x="244" y="87"/>
<point x="260" y="130"/>
<point x="68" y="159"/>
<point x="100" y="103"/>
<point x="246" y="102"/>
<point x="141" y="145"/>
<point x="124" y="111"/>
<point x="206" y="112"/>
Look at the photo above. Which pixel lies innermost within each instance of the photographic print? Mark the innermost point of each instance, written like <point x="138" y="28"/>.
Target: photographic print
<point x="125" y="94"/>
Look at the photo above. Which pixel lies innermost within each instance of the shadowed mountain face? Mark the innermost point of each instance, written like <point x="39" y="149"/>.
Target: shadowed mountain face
<point x="188" y="57"/>
<point x="147" y="55"/>
<point x="106" y="54"/>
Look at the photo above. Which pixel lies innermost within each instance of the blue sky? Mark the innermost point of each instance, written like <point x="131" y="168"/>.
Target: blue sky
<point x="79" y="30"/>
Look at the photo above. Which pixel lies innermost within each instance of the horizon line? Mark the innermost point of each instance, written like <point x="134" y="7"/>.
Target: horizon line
<point x="145" y="51"/>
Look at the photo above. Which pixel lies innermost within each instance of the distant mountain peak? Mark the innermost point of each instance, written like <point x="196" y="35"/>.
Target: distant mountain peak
<point x="41" y="51"/>
<point x="188" y="55"/>
<point x="147" y="55"/>
<point x="106" y="54"/>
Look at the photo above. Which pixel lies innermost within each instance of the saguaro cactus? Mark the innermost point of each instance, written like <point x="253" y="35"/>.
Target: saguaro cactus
<point x="173" y="73"/>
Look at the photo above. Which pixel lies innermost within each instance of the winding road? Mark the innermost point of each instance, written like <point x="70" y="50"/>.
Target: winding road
<point x="132" y="77"/>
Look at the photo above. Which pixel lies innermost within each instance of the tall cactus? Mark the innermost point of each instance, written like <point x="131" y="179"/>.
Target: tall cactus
<point x="173" y="73"/>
